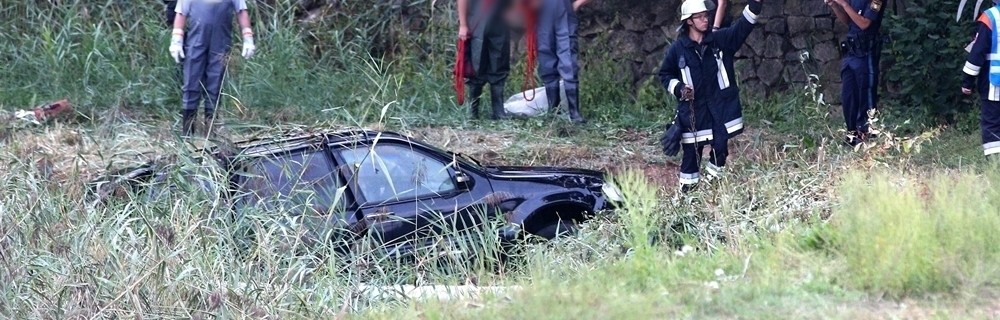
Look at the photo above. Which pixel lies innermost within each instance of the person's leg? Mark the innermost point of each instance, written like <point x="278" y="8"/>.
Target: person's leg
<point x="566" y="51"/>
<point x="548" y="62"/>
<point x="690" y="161"/>
<point x="498" y="54"/>
<point x="475" y="86"/>
<point x="849" y="98"/>
<point x="720" y="151"/>
<point x="214" y="76"/>
<point x="989" y="122"/>
<point x="865" y="71"/>
<point x="194" y="64"/>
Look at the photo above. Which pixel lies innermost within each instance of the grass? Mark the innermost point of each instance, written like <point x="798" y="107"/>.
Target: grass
<point x="802" y="227"/>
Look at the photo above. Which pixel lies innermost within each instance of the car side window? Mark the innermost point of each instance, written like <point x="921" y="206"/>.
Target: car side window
<point x="296" y="182"/>
<point x="388" y="172"/>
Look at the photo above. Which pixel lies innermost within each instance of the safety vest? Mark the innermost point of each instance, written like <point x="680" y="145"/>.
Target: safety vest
<point x="993" y="14"/>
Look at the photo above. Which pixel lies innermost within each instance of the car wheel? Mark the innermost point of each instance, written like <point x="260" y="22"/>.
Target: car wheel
<point x="559" y="228"/>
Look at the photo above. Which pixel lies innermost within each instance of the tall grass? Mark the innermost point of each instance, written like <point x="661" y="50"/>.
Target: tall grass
<point x="905" y="234"/>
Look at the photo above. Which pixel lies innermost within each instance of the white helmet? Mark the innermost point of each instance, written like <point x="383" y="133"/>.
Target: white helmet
<point x="690" y="7"/>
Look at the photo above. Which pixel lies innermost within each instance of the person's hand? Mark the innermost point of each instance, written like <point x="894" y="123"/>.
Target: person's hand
<point x="687" y="94"/>
<point x="966" y="91"/>
<point x="176" y="45"/>
<point x="842" y="3"/>
<point x="248" y="46"/>
<point x="831" y="3"/>
<point x="463" y="32"/>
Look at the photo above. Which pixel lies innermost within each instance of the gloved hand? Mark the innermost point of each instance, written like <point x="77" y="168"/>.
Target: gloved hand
<point x="670" y="142"/>
<point x="248" y="47"/>
<point x="755" y="6"/>
<point x="176" y="45"/>
<point x="684" y="92"/>
<point x="968" y="82"/>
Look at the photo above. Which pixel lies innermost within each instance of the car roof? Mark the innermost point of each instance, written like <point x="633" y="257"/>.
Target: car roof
<point x="299" y="139"/>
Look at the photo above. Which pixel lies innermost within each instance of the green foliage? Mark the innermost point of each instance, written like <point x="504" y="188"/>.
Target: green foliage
<point x="927" y="54"/>
<point x="905" y="236"/>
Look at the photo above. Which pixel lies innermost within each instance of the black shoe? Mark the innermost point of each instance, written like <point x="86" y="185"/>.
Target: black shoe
<point x="496" y="102"/>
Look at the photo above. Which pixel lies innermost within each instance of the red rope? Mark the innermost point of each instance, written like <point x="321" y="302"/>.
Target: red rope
<point x="458" y="73"/>
<point x="531" y="43"/>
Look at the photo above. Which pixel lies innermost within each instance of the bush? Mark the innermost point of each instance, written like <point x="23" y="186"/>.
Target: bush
<point x="928" y="44"/>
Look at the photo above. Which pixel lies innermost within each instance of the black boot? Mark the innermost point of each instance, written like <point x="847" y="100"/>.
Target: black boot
<point x="553" y="96"/>
<point x="496" y="101"/>
<point x="573" y="104"/>
<point x="475" y="92"/>
<point x="209" y="123"/>
<point x="187" y="122"/>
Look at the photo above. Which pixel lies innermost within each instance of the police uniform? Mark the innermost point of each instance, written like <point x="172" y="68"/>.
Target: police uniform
<point x="557" y="54"/>
<point x="982" y="72"/>
<point x="859" y="69"/>
<point x="207" y="44"/>
<point x="715" y="114"/>
<point x="489" y="52"/>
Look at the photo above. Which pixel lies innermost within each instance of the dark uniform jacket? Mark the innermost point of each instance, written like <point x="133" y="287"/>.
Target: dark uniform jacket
<point x="708" y="68"/>
<point x="977" y="66"/>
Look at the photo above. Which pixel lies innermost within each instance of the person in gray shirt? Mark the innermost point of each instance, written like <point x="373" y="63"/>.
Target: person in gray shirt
<point x="208" y="41"/>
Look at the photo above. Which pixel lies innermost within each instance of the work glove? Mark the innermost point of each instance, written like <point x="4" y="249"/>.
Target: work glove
<point x="684" y="92"/>
<point x="176" y="45"/>
<point x="248" y="46"/>
<point x="968" y="82"/>
<point x="671" y="139"/>
<point x="755" y="6"/>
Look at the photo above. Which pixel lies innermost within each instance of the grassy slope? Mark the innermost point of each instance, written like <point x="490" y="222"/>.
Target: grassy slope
<point x="803" y="227"/>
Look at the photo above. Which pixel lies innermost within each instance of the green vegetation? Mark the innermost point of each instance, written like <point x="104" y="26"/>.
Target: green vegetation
<point x="801" y="227"/>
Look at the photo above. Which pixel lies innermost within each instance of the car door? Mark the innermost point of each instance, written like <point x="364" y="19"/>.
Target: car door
<point x="406" y="191"/>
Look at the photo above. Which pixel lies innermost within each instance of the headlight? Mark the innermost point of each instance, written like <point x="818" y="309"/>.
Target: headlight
<point x="612" y="192"/>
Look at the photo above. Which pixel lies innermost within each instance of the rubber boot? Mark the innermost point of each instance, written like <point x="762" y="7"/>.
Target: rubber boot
<point x="209" y="123"/>
<point x="553" y="95"/>
<point x="496" y="101"/>
<point x="573" y="104"/>
<point x="187" y="122"/>
<point x="475" y="93"/>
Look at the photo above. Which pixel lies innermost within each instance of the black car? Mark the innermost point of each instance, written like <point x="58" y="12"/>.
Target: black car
<point x="392" y="186"/>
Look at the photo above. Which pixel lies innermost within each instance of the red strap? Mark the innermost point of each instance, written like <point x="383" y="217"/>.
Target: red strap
<point x="531" y="42"/>
<point x="457" y="73"/>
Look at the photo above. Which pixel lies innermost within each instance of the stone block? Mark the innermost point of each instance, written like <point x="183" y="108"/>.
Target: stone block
<point x="776" y="25"/>
<point x="798" y="25"/>
<point x="825" y="51"/>
<point x="774" y="46"/>
<point x="769" y="71"/>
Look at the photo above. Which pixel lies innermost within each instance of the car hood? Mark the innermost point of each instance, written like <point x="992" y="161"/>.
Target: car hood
<point x="518" y="172"/>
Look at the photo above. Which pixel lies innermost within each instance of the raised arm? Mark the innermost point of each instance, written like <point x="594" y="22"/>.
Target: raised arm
<point x="720" y="14"/>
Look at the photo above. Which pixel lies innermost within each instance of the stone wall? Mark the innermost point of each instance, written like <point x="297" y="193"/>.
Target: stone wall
<point x="635" y="35"/>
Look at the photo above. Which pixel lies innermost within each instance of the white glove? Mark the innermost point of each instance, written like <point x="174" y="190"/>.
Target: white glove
<point x="248" y="46"/>
<point x="176" y="45"/>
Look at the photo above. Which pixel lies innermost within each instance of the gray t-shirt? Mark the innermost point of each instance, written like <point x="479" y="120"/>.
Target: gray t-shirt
<point x="184" y="6"/>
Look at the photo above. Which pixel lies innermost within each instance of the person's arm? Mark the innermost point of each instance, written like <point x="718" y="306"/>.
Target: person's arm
<point x="463" y="24"/>
<point x="180" y="14"/>
<point x="838" y="11"/>
<point x="670" y="74"/>
<point x="862" y="21"/>
<point x="579" y="3"/>
<point x="732" y="38"/>
<point x="720" y="14"/>
<point x="977" y="56"/>
<point x="243" y="18"/>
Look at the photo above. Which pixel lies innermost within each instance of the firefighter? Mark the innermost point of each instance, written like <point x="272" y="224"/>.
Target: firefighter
<point x="698" y="70"/>
<point x="204" y="48"/>
<point x="859" y="69"/>
<point x="982" y="73"/>
<point x="483" y="22"/>
<point x="557" y="53"/>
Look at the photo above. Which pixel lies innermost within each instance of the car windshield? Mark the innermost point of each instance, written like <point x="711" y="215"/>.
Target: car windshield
<point x="389" y="172"/>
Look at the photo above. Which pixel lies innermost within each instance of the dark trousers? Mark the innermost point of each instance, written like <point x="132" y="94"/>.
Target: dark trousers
<point x="989" y="122"/>
<point x="858" y="79"/>
<point x="691" y="159"/>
